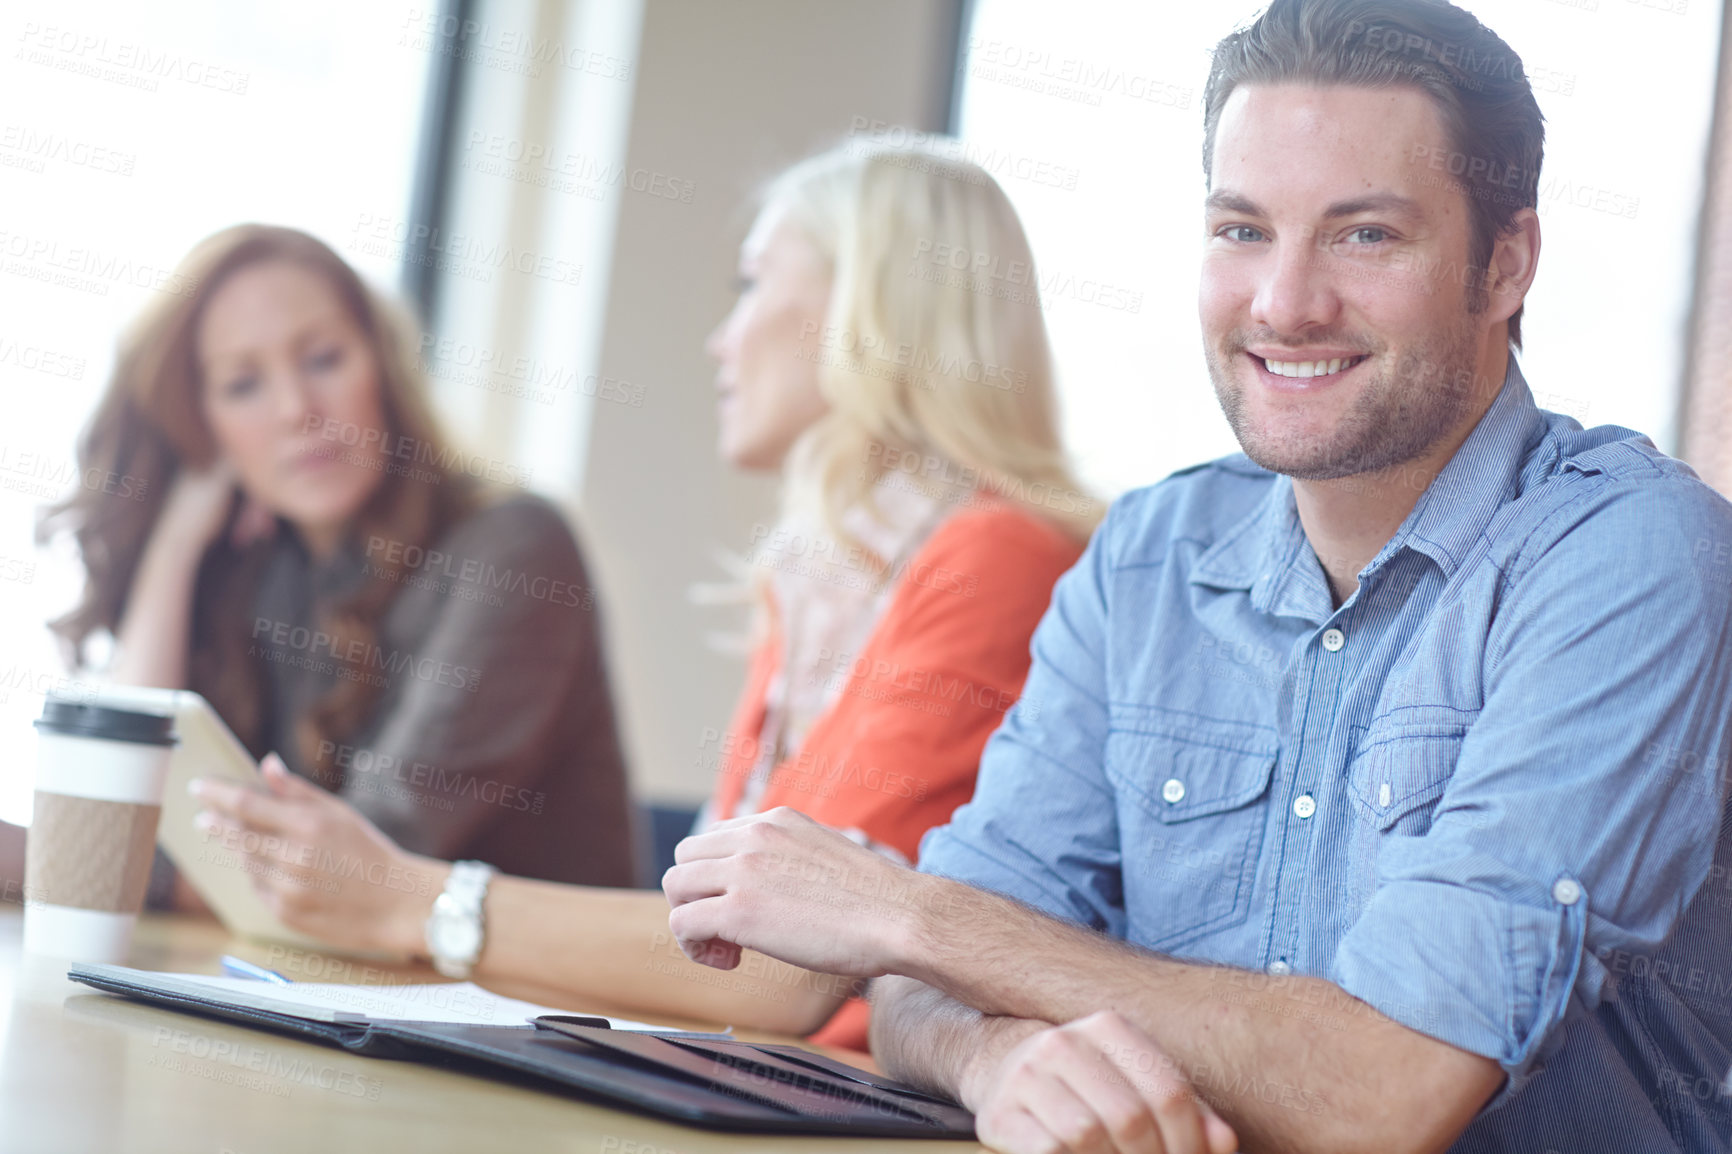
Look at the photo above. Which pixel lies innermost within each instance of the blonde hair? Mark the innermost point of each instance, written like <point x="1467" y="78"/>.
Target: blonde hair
<point x="934" y="357"/>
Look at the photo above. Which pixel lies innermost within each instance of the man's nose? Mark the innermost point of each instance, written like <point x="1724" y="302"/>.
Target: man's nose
<point x="1297" y="291"/>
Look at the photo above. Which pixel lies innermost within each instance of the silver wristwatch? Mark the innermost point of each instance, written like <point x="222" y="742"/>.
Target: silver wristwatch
<point x="456" y="929"/>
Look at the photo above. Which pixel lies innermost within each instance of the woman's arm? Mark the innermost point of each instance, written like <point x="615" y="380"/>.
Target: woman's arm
<point x="615" y="944"/>
<point x="151" y="642"/>
<point x="335" y="876"/>
<point x="963" y="621"/>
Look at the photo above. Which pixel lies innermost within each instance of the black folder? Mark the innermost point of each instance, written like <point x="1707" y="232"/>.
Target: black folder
<point x="700" y="1080"/>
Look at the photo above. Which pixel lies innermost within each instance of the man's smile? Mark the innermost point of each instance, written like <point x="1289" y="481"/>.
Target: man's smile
<point x="1304" y="369"/>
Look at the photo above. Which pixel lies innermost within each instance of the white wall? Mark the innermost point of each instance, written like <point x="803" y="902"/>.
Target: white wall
<point x="726" y="94"/>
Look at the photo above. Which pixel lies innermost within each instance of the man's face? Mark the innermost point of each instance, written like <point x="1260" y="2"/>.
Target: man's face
<point x="1335" y="291"/>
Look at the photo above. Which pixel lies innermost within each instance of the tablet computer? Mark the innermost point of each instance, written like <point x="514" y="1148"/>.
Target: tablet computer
<point x="218" y="871"/>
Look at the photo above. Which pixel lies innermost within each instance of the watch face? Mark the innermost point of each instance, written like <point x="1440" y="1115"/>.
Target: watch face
<point x="456" y="938"/>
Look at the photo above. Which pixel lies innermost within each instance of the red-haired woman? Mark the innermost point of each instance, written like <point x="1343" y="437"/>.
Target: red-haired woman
<point x="348" y="589"/>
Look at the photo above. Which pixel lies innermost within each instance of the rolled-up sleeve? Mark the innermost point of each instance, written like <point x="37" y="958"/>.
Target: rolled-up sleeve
<point x="1585" y="805"/>
<point x="1042" y="826"/>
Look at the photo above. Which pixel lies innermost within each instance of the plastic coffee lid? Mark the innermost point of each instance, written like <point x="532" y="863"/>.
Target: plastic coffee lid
<point x="82" y="719"/>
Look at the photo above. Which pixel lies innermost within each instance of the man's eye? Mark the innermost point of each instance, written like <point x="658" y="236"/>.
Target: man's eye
<point x="1242" y="233"/>
<point x="1368" y="234"/>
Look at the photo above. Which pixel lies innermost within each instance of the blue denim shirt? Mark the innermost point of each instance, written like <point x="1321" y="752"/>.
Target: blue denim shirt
<point x="1484" y="796"/>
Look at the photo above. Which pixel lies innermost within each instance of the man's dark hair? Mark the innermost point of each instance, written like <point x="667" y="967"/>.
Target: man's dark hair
<point x="1496" y="132"/>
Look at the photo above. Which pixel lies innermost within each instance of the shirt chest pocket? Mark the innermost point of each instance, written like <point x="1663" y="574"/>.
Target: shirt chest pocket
<point x="1395" y="780"/>
<point x="1397" y="776"/>
<point x="1192" y="805"/>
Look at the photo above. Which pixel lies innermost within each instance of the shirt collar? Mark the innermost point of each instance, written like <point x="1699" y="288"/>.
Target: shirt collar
<point x="1268" y="554"/>
<point x="1453" y="512"/>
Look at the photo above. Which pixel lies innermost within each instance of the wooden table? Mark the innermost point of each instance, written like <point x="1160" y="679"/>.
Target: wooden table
<point x="82" y="1071"/>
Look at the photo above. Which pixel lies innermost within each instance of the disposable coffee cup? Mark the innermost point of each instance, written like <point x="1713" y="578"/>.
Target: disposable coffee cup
<point x="99" y="781"/>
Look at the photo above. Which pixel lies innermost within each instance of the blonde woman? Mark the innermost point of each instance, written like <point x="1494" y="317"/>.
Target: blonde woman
<point x="928" y="510"/>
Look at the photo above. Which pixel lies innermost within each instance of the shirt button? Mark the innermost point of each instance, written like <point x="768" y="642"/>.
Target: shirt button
<point x="1173" y="791"/>
<point x="1304" y="805"/>
<point x="1567" y="892"/>
<point x="1333" y="640"/>
<point x="1280" y="968"/>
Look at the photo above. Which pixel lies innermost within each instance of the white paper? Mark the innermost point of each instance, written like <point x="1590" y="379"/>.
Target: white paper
<point x="464" y="1003"/>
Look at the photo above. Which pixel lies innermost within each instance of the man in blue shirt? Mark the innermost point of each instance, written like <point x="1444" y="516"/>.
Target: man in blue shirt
<point x="1376" y="794"/>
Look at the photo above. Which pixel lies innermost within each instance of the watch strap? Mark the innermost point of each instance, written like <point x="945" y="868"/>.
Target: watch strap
<point x="464" y="897"/>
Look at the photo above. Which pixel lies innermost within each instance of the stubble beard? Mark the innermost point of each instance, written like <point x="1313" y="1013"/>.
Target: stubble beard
<point x="1414" y="399"/>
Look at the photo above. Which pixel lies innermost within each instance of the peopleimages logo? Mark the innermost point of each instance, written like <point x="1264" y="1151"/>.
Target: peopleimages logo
<point x="485" y="367"/>
<point x="923" y="366"/>
<point x="1001" y="163"/>
<point x="375" y="772"/>
<point x="1068" y="77"/>
<point x="135" y="65"/>
<point x="889" y="459"/>
<point x="38" y="148"/>
<point x="478" y="572"/>
<point x="36" y="359"/>
<point x="84" y="268"/>
<point x="403" y="451"/>
<point x="1015" y="280"/>
<point x="535" y="163"/>
<point x="384" y="235"/>
<point x="38" y="475"/>
<point x="290" y="644"/>
<point x="252" y="1067"/>
<point x="494" y="45"/>
<point x="815" y="555"/>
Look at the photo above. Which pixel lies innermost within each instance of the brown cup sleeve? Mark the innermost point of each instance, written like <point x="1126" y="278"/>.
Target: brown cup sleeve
<point x="88" y="853"/>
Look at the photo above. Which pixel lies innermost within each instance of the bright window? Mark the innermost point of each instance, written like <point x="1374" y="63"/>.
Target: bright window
<point x="129" y="132"/>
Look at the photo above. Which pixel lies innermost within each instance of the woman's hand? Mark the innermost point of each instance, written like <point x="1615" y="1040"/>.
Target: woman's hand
<point x="321" y="867"/>
<point x="197" y="507"/>
<point x="152" y="639"/>
<point x="784" y="885"/>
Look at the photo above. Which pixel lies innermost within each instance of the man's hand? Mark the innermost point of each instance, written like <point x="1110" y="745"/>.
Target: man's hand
<point x="322" y="867"/>
<point x="781" y="884"/>
<point x="1098" y="1084"/>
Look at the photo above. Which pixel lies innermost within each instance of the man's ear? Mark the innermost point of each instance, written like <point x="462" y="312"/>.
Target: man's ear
<point x="1515" y="258"/>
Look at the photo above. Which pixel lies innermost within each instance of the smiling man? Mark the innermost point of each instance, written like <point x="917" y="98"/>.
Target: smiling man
<point x="1375" y="795"/>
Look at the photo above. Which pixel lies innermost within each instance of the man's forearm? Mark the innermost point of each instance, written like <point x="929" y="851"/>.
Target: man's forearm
<point x="928" y="1039"/>
<point x="1294" y="1063"/>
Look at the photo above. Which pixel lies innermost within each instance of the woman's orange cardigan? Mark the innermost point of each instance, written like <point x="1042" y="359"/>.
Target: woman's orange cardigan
<point x="898" y="749"/>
